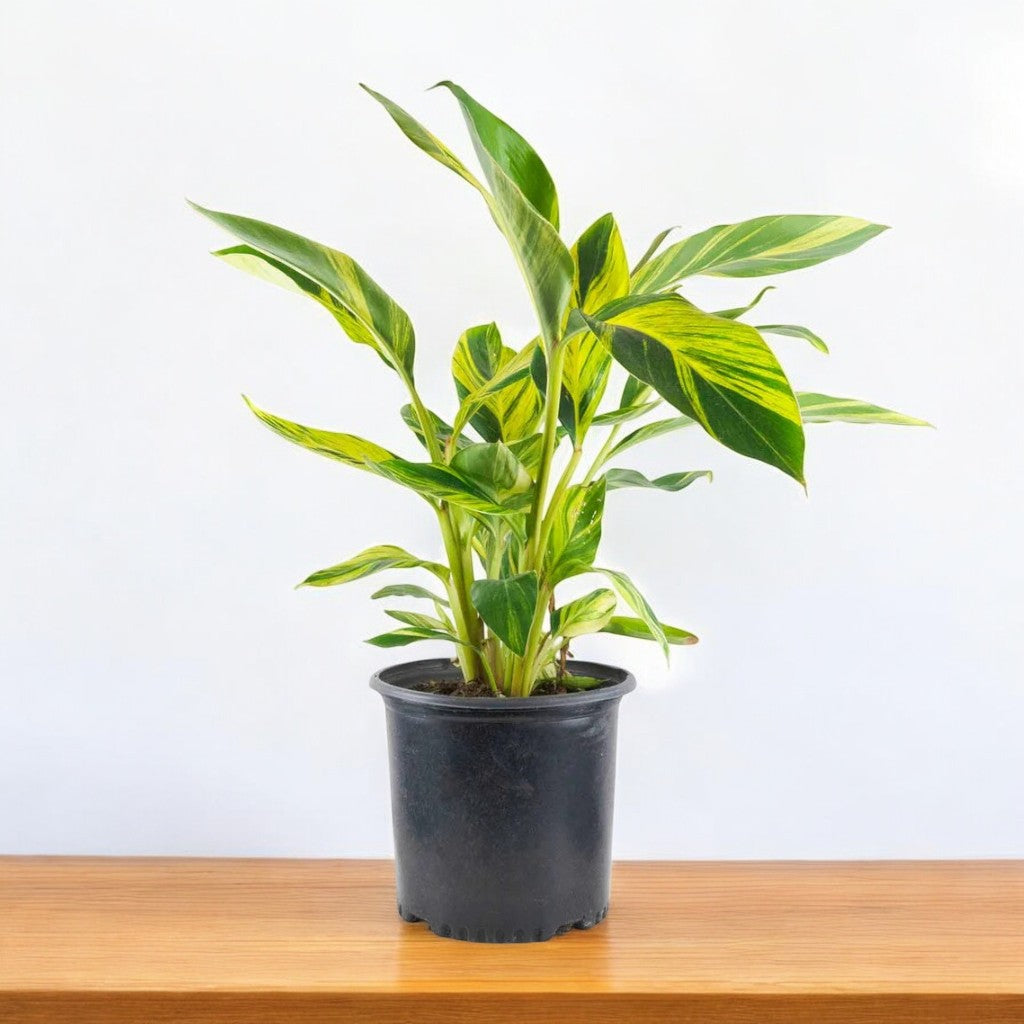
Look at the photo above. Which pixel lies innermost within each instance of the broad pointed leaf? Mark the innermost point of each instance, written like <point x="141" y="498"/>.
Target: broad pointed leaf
<point x="585" y="367"/>
<point x="793" y="331"/>
<point x="511" y="374"/>
<point x="370" y="561"/>
<point x="366" y="312"/>
<point x="817" y="408"/>
<point x="495" y="139"/>
<point x="587" y="614"/>
<point x="495" y="469"/>
<point x="618" y="478"/>
<point x="638" y="629"/>
<point x="347" y="448"/>
<point x="601" y="272"/>
<point x="716" y="371"/>
<point x="509" y="413"/>
<point x="507" y="606"/>
<point x="576" y="532"/>
<point x="541" y="255"/>
<point x="752" y="248"/>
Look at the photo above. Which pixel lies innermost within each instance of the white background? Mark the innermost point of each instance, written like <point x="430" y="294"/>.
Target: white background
<point x="857" y="691"/>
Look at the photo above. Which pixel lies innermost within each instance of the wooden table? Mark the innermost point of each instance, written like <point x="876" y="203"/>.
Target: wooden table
<point x="265" y="941"/>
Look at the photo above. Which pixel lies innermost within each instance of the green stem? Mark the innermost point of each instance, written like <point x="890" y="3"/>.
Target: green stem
<point x="527" y="665"/>
<point x="602" y="455"/>
<point x="553" y="394"/>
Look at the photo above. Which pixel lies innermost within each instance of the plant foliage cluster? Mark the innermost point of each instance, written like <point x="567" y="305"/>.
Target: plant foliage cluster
<point x="518" y="507"/>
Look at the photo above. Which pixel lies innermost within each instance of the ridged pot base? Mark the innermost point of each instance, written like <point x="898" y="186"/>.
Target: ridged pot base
<point x="502" y="807"/>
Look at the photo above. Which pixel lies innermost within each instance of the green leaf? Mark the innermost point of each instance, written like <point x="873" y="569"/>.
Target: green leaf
<point x="738" y="311"/>
<point x="601" y="270"/>
<point x="507" y="606"/>
<point x="618" y="478"/>
<point x="494" y="139"/>
<point x="752" y="248"/>
<point x="408" y="590"/>
<point x="511" y="374"/>
<point x="495" y="469"/>
<point x="370" y="561"/>
<point x="638" y="629"/>
<point x="571" y="682"/>
<point x="409" y="635"/>
<point x="716" y="371"/>
<point x="347" y="448"/>
<point x="444" y="483"/>
<point x="627" y="590"/>
<point x="649" y="431"/>
<point x="653" y="248"/>
<point x="587" y="614"/>
<point x="575" y="533"/>
<point x="423" y="139"/>
<point x="528" y="452"/>
<point x="442" y="430"/>
<point x="366" y="312"/>
<point x="817" y="408"/>
<point x="509" y="413"/>
<point x="792" y="331"/>
<point x="542" y="257"/>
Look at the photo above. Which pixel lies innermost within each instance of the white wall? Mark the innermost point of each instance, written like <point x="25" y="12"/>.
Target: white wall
<point x="857" y="691"/>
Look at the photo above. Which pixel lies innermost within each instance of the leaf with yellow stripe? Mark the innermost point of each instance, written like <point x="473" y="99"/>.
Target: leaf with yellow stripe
<point x="817" y="408"/>
<point x="347" y="448"/>
<point x="371" y="561"/>
<point x="587" y="614"/>
<point x="718" y="372"/>
<point x="365" y="311"/>
<point x="495" y="139"/>
<point x="543" y="259"/>
<point x="508" y="414"/>
<point x="601" y="270"/>
<point x="510" y="374"/>
<point x="575" y="532"/>
<point x="753" y="248"/>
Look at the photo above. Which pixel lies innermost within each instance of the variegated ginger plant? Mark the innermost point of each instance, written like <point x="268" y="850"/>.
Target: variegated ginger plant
<point x="512" y="530"/>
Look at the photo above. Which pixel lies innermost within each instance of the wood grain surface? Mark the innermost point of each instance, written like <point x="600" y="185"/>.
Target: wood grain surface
<point x="155" y="940"/>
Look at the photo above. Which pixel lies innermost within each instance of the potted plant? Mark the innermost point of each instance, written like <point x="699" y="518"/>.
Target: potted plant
<point x="502" y="759"/>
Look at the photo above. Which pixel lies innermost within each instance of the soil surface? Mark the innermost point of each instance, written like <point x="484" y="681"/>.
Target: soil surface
<point x="478" y="688"/>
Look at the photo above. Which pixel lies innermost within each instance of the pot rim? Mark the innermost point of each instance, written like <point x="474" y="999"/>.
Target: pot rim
<point x="620" y="682"/>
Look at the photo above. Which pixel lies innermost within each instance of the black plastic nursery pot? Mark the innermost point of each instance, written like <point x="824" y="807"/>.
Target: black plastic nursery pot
<point x="502" y="807"/>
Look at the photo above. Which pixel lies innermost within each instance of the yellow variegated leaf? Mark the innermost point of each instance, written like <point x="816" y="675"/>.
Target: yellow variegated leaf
<point x="752" y="248"/>
<point x="370" y="561"/>
<point x="576" y="531"/>
<point x="543" y="259"/>
<point x="816" y="408"/>
<point x="495" y="139"/>
<point x="716" y="371"/>
<point x="347" y="448"/>
<point x="508" y="414"/>
<point x="367" y="313"/>
<point x="587" y="614"/>
<point x="510" y="374"/>
<point x="601" y="270"/>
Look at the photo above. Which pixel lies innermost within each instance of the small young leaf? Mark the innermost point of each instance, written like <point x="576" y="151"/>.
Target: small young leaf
<point x="507" y="606"/>
<point x="442" y="430"/>
<point x="587" y="614"/>
<point x="649" y="431"/>
<point x="444" y="483"/>
<point x="738" y="311"/>
<point x="409" y="635"/>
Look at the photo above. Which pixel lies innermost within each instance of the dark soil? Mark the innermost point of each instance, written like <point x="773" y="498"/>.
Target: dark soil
<point x="478" y="688"/>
